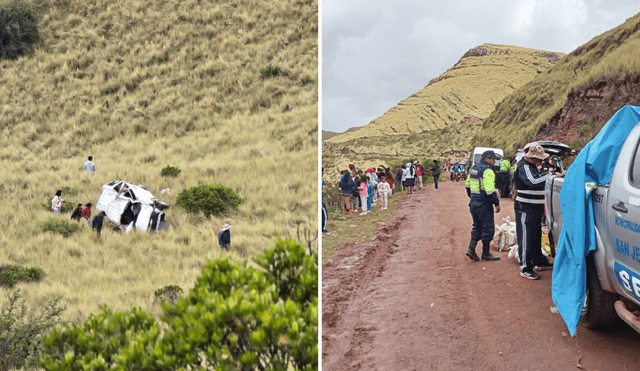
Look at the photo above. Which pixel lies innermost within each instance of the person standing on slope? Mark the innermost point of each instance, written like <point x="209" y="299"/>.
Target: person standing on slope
<point x="481" y="189"/>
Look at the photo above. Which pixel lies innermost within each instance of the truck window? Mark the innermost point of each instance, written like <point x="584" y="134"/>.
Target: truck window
<point x="635" y="169"/>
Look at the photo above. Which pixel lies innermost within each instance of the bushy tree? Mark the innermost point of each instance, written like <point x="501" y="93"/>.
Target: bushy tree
<point x="236" y="317"/>
<point x="211" y="199"/>
<point x="18" y="28"/>
<point x="21" y="331"/>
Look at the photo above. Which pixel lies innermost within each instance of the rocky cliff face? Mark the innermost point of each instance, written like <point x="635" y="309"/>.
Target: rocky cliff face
<point x="592" y="105"/>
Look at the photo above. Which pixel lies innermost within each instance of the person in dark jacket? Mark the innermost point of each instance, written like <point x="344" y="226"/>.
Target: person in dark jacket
<point x="399" y="179"/>
<point x="346" y="197"/>
<point x="435" y="171"/>
<point x="529" y="208"/>
<point x="76" y="215"/>
<point x="224" y="237"/>
<point x="481" y="189"/>
<point x="96" y="223"/>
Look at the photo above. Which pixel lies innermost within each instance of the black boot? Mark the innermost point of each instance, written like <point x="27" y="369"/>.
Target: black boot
<point x="471" y="251"/>
<point x="486" y="255"/>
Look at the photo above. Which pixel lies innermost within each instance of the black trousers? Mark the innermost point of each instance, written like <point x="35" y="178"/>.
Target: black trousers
<point x="435" y="180"/>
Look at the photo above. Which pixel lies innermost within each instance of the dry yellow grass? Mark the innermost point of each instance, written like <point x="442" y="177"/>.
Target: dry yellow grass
<point x="145" y="84"/>
<point x="519" y="116"/>
<point x="472" y="87"/>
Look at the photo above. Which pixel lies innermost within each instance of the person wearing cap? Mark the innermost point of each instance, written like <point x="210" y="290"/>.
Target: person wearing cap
<point x="481" y="189"/>
<point x="224" y="237"/>
<point x="529" y="208"/>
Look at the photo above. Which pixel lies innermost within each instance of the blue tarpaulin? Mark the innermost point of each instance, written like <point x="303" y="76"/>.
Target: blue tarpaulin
<point x="593" y="166"/>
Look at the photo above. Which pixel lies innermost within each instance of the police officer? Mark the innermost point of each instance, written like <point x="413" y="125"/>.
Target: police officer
<point x="481" y="188"/>
<point x="505" y="169"/>
<point x="529" y="208"/>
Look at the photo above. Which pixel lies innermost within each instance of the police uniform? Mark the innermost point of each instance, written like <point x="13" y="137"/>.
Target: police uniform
<point x="481" y="189"/>
<point x="529" y="209"/>
<point x="505" y="168"/>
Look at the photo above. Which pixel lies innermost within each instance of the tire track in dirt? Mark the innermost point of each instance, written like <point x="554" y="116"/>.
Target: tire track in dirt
<point x="418" y="303"/>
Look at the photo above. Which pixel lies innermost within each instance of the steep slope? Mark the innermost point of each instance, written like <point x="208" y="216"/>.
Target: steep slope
<point x="224" y="90"/>
<point x="572" y="101"/>
<point x="471" y="88"/>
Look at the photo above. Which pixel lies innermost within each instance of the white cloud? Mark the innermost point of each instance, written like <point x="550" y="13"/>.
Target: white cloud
<point x="376" y="53"/>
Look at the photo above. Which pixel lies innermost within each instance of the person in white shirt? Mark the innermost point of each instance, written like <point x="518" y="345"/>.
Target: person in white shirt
<point x="383" y="190"/>
<point x="90" y="166"/>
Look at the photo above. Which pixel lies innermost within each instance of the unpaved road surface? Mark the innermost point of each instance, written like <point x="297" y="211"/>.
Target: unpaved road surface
<point x="411" y="300"/>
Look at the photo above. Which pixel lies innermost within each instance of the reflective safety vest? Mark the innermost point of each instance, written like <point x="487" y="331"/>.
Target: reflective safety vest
<point x="505" y="165"/>
<point x="481" y="184"/>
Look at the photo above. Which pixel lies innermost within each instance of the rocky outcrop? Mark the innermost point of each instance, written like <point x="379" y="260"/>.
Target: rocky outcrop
<point x="592" y="104"/>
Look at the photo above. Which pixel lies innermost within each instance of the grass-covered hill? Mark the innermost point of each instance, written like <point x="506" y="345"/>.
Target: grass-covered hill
<point x="574" y="98"/>
<point x="224" y="90"/>
<point x="444" y="116"/>
<point x="471" y="88"/>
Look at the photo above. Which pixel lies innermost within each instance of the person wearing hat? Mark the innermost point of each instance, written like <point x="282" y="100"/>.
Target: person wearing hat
<point x="224" y="237"/>
<point x="481" y="189"/>
<point x="529" y="208"/>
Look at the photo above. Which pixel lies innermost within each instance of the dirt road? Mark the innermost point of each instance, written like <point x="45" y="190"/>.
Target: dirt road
<point x="411" y="300"/>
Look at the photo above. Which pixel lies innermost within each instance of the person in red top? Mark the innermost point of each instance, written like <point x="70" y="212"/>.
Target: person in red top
<point x="86" y="214"/>
<point x="418" y="174"/>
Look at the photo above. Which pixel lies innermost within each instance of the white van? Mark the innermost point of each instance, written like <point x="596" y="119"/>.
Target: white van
<point x="477" y="154"/>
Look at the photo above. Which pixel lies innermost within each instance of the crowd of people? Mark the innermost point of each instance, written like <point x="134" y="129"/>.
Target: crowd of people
<point x="360" y="190"/>
<point x="82" y="213"/>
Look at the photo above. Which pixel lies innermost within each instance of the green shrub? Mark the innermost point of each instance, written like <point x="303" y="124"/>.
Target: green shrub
<point x="171" y="171"/>
<point x="21" y="331"/>
<point x="12" y="274"/>
<point x="18" y="28"/>
<point x="170" y="293"/>
<point x="211" y="199"/>
<point x="291" y="270"/>
<point x="103" y="342"/>
<point x="236" y="317"/>
<point x="62" y="227"/>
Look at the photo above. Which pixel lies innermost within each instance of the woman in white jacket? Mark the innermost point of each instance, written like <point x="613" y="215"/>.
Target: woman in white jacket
<point x="56" y="203"/>
<point x="383" y="190"/>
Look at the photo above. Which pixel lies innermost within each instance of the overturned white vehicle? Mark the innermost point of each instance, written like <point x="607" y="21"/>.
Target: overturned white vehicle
<point x="130" y="205"/>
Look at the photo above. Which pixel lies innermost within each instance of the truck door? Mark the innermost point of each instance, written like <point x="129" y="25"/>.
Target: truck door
<point x="623" y="212"/>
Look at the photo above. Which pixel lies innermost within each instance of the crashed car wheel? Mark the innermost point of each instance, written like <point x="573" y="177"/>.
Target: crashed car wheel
<point x="598" y="310"/>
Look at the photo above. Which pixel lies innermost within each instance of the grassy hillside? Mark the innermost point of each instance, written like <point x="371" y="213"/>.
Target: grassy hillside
<point x="446" y="114"/>
<point x="226" y="91"/>
<point x="471" y="88"/>
<point x="574" y="98"/>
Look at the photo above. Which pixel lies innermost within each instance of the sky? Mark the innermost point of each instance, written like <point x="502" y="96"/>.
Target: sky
<point x="376" y="53"/>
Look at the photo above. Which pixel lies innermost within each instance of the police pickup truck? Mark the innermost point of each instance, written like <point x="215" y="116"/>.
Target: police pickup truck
<point x="613" y="269"/>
